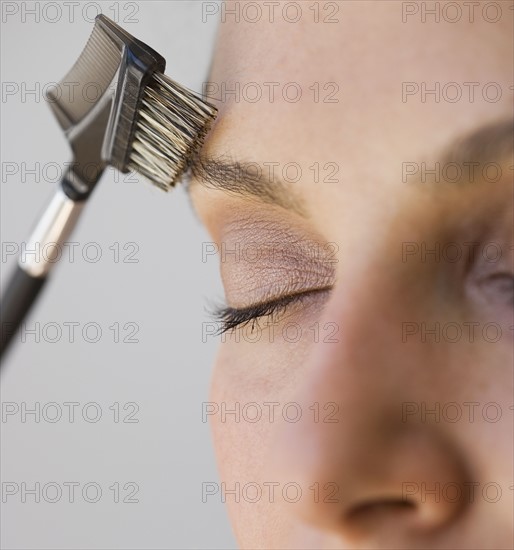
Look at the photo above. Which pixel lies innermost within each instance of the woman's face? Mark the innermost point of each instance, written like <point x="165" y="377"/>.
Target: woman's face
<point x="364" y="399"/>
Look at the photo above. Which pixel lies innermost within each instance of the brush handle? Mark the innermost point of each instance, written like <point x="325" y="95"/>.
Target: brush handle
<point x="53" y="228"/>
<point x="19" y="296"/>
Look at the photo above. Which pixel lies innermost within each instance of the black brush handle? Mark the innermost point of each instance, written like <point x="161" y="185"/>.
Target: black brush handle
<point x="18" y="298"/>
<point x="54" y="226"/>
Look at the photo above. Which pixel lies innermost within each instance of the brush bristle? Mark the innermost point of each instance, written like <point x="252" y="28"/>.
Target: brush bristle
<point x="171" y="128"/>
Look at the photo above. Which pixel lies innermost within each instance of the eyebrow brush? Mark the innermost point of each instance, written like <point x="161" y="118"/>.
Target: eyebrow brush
<point x="141" y="121"/>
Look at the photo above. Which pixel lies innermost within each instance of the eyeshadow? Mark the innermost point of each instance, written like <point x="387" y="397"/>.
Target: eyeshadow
<point x="261" y="258"/>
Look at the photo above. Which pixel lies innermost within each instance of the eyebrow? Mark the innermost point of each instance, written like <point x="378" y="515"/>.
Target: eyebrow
<point x="490" y="142"/>
<point x="243" y="179"/>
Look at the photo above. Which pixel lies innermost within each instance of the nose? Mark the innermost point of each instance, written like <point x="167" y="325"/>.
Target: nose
<point x="368" y="472"/>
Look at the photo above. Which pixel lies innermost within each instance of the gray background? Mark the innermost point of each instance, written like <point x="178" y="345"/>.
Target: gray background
<point x="167" y="453"/>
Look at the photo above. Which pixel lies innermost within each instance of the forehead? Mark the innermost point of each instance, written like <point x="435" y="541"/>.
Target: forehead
<point x="356" y="90"/>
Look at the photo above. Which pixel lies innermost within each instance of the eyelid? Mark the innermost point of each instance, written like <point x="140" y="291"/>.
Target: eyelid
<point x="259" y="251"/>
<point x="231" y="318"/>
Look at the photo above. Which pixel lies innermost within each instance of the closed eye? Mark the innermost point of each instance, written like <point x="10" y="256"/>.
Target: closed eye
<point x="498" y="288"/>
<point x="231" y="318"/>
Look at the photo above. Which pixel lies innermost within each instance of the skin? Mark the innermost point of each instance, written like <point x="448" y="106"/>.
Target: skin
<point x="371" y="448"/>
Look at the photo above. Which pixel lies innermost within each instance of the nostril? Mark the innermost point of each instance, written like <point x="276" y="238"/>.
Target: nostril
<point x="380" y="507"/>
<point x="385" y="503"/>
<point x="381" y="515"/>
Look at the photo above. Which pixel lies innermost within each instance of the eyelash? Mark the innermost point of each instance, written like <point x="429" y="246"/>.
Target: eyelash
<point x="232" y="318"/>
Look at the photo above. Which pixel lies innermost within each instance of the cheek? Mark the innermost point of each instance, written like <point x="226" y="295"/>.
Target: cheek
<point x="247" y="376"/>
<point x="256" y="380"/>
<point x="241" y="446"/>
